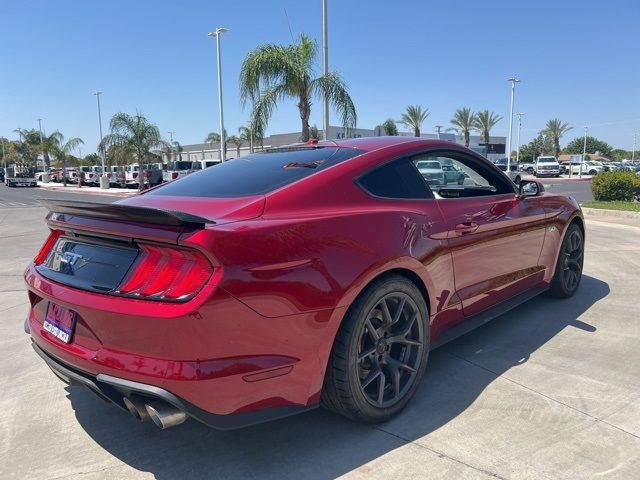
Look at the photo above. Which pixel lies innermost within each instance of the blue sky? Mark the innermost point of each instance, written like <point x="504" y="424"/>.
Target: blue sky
<point x="578" y="60"/>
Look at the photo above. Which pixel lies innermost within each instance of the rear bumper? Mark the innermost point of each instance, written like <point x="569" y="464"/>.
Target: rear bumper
<point x="113" y="389"/>
<point x="227" y="364"/>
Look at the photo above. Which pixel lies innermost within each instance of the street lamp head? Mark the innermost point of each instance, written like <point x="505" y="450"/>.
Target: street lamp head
<point x="218" y="31"/>
<point x="513" y="79"/>
<point x="98" y="93"/>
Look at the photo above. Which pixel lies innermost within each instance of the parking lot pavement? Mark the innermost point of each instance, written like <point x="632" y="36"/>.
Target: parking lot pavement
<point x="548" y="391"/>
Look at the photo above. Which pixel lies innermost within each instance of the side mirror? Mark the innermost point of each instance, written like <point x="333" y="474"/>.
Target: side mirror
<point x="531" y="188"/>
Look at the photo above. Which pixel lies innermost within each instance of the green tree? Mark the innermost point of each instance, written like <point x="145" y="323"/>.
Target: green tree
<point x="576" y="146"/>
<point x="463" y="122"/>
<point x="313" y="132"/>
<point x="272" y="73"/>
<point x="237" y="141"/>
<point x="555" y="130"/>
<point x="483" y="122"/>
<point x="252" y="136"/>
<point x="540" y="145"/>
<point x="136" y="134"/>
<point x="390" y="128"/>
<point x="213" y="138"/>
<point x="413" y="118"/>
<point x="618" y="154"/>
<point x="61" y="150"/>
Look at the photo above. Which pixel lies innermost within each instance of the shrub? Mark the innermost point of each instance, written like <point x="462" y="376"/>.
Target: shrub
<point x="616" y="186"/>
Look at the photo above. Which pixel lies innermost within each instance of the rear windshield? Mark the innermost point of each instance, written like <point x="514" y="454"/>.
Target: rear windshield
<point x="257" y="173"/>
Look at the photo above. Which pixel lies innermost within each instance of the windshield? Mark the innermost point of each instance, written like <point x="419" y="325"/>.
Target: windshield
<point x="547" y="160"/>
<point x="257" y="173"/>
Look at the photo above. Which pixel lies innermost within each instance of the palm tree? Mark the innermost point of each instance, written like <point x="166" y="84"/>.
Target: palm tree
<point x="272" y="73"/>
<point x="413" y="118"/>
<point x="33" y="146"/>
<point x="463" y="122"/>
<point x="136" y="134"/>
<point x="61" y="150"/>
<point x="250" y="135"/>
<point x="554" y="130"/>
<point x="214" y="137"/>
<point x="390" y="128"/>
<point x="484" y="121"/>
<point x="237" y="141"/>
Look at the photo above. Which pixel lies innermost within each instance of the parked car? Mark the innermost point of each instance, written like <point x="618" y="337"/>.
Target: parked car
<point x="513" y="173"/>
<point x="547" y="166"/>
<point x="432" y="172"/>
<point x="453" y="175"/>
<point x="150" y="174"/>
<point x="299" y="276"/>
<point x="527" y="167"/>
<point x="588" y="168"/>
<point x="179" y="169"/>
<point x="91" y="174"/>
<point x="1" y="174"/>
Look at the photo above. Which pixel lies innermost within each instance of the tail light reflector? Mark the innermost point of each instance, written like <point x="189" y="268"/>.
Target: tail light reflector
<point x="174" y="175"/>
<point x="48" y="246"/>
<point x="108" y="175"/>
<point x="165" y="273"/>
<point x="147" y="173"/>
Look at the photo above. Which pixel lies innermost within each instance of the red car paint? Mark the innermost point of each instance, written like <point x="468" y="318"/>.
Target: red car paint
<point x="287" y="265"/>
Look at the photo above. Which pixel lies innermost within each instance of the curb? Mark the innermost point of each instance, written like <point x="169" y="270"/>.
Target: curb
<point x="614" y="216"/>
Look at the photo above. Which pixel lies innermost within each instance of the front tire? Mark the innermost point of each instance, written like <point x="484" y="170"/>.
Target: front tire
<point x="568" y="274"/>
<point x="380" y="352"/>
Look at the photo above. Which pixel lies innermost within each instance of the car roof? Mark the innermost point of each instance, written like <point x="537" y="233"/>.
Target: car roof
<point x="370" y="144"/>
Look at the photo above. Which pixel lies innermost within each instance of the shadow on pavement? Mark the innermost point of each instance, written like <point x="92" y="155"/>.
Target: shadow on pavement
<point x="320" y="445"/>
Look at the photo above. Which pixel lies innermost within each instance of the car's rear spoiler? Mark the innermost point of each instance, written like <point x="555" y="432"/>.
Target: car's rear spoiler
<point x="114" y="211"/>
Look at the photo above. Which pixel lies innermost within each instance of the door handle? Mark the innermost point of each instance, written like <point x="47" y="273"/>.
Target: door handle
<point x="466" y="227"/>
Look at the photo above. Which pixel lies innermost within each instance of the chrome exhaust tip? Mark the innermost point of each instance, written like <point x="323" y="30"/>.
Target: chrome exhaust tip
<point x="137" y="408"/>
<point x="165" y="415"/>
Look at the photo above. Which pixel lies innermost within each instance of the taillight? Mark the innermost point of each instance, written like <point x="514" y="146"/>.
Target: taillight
<point x="48" y="246"/>
<point x="135" y="174"/>
<point x="147" y="173"/>
<point x="174" y="175"/>
<point x="108" y="175"/>
<point x="164" y="273"/>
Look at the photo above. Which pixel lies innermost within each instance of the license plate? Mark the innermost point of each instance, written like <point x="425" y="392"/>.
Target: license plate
<point x="60" y="322"/>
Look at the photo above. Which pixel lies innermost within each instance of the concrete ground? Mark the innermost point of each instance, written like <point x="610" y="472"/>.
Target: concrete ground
<point x="548" y="391"/>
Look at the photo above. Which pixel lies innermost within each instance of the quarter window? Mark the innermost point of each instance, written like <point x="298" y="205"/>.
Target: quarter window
<point x="398" y="179"/>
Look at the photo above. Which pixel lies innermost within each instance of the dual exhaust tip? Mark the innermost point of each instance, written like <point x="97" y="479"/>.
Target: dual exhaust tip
<point x="161" y="413"/>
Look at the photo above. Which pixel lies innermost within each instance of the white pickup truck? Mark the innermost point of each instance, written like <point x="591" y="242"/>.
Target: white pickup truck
<point x="547" y="166"/>
<point x="19" y="177"/>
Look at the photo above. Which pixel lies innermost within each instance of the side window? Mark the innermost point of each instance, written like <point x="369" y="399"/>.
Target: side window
<point x="398" y="179"/>
<point x="460" y="176"/>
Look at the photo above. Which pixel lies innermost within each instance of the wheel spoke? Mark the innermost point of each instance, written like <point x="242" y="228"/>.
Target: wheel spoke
<point x="372" y="331"/>
<point x="373" y="374"/>
<point x="399" y="309"/>
<point x="385" y="312"/>
<point x="381" y="384"/>
<point x="366" y="354"/>
<point x="400" y="337"/>
<point x="398" y="365"/>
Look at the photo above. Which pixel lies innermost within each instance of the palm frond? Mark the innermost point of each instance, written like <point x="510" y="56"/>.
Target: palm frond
<point x="337" y="93"/>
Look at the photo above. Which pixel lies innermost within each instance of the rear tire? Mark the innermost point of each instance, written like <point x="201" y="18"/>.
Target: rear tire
<point x="568" y="274"/>
<point x="380" y="353"/>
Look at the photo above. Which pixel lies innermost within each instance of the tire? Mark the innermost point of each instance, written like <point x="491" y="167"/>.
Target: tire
<point x="461" y="181"/>
<point x="517" y="180"/>
<point x="530" y="171"/>
<point x="570" y="259"/>
<point x="593" y="172"/>
<point x="358" y="382"/>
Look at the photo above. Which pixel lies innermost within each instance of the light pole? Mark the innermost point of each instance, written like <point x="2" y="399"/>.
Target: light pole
<point x="4" y="157"/>
<point x="438" y="129"/>
<point x="216" y="33"/>
<point x="513" y="81"/>
<point x="171" y="147"/>
<point x="633" y="152"/>
<point x="518" y="144"/>
<point x="584" y="151"/>
<point x="104" y="180"/>
<point x="325" y="68"/>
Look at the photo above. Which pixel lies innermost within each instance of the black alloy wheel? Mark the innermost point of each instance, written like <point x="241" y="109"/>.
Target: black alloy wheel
<point x="570" y="262"/>
<point x="379" y="353"/>
<point x="390" y="350"/>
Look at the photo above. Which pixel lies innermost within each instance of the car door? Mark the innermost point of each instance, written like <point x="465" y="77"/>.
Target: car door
<point x="495" y="236"/>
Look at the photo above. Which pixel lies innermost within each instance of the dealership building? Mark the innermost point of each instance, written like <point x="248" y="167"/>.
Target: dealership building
<point x="206" y="151"/>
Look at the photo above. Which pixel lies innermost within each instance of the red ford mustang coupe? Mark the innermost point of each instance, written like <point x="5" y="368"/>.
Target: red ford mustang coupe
<point x="319" y="273"/>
